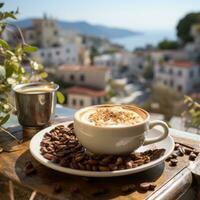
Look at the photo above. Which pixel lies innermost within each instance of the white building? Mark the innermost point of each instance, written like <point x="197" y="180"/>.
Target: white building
<point x="88" y="76"/>
<point x="182" y="76"/>
<point x="78" y="97"/>
<point x="122" y="64"/>
<point x="68" y="54"/>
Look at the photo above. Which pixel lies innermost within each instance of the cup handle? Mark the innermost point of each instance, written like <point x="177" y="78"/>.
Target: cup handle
<point x="162" y="136"/>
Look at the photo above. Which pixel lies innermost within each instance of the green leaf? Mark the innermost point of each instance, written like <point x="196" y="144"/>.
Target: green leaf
<point x="4" y="119"/>
<point x="1" y="5"/>
<point x="36" y="66"/>
<point x="30" y="49"/>
<point x="43" y="75"/>
<point x="2" y="73"/>
<point x="4" y="44"/>
<point x="60" y="97"/>
<point x="9" y="15"/>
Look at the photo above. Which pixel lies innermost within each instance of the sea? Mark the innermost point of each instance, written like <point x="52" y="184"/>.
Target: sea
<point x="144" y="39"/>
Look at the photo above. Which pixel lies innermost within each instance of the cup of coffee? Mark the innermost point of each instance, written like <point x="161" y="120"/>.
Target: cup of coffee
<point x="35" y="103"/>
<point x="115" y="129"/>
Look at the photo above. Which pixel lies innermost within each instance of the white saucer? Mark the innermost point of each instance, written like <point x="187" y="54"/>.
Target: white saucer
<point x="167" y="144"/>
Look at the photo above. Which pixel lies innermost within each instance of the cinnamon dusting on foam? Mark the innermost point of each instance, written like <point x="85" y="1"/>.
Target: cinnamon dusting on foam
<point x="111" y="116"/>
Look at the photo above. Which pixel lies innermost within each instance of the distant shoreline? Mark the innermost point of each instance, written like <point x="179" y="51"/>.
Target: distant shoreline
<point x="146" y="38"/>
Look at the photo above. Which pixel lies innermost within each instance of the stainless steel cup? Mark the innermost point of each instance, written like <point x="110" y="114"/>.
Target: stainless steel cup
<point x="36" y="109"/>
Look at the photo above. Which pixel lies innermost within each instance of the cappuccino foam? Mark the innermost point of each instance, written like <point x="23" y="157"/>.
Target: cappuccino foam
<point x="113" y="116"/>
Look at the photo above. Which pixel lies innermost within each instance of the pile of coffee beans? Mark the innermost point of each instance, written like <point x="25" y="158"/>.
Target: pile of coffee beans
<point x="181" y="150"/>
<point x="61" y="146"/>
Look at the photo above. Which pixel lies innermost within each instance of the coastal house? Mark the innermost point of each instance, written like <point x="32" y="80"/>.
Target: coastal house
<point x="87" y="84"/>
<point x="78" y="96"/>
<point x="122" y="64"/>
<point x="182" y="76"/>
<point x="58" y="55"/>
<point x="87" y="76"/>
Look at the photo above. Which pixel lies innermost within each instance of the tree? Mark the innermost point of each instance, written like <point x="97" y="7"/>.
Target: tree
<point x="168" y="44"/>
<point x="184" y="26"/>
<point x="162" y="100"/>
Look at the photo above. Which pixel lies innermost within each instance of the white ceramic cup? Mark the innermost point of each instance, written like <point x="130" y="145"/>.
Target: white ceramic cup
<point x="116" y="140"/>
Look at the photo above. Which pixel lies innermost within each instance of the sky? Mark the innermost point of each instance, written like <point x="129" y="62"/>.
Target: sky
<point x="136" y="15"/>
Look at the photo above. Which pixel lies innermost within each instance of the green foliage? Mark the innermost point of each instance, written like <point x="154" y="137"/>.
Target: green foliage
<point x="60" y="97"/>
<point x="184" y="26"/>
<point x="12" y="69"/>
<point x="162" y="100"/>
<point x="168" y="44"/>
<point x="192" y="113"/>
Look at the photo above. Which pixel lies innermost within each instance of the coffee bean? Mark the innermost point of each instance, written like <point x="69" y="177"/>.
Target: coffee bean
<point x="168" y="158"/>
<point x="173" y="162"/>
<point x="79" y="158"/>
<point x="188" y="151"/>
<point x="57" y="188"/>
<point x="196" y="152"/>
<point x="61" y="146"/>
<point x="92" y="162"/>
<point x="173" y="155"/>
<point x="181" y="151"/>
<point x="192" y="156"/>
<point x="74" y="189"/>
<point x="176" y="146"/>
<point x="144" y="186"/>
<point x="128" y="188"/>
<point x="29" y="169"/>
<point x="119" y="161"/>
<point x="103" y="168"/>
<point x="100" y="191"/>
<point x="129" y="164"/>
<point x="48" y="156"/>
<point x="152" y="186"/>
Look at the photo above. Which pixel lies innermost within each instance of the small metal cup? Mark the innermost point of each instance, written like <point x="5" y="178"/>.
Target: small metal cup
<point x="35" y="110"/>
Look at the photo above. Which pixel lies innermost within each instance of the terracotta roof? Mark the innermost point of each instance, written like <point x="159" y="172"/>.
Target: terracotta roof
<point x="182" y="64"/>
<point x="81" y="67"/>
<point x="86" y="91"/>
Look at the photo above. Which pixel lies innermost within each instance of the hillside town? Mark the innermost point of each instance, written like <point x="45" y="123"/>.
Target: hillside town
<point x="92" y="70"/>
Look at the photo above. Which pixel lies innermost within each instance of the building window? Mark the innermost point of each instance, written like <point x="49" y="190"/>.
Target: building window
<point x="57" y="53"/>
<point x="165" y="82"/>
<point x="179" y="88"/>
<point x="171" y="83"/>
<point x="93" y="102"/>
<point x="179" y="73"/>
<point x="74" y="102"/>
<point x="31" y="37"/>
<point x="99" y="100"/>
<point x="55" y="32"/>
<point x="161" y="69"/>
<point x="72" y="77"/>
<point x="170" y="71"/>
<point x="42" y="54"/>
<point x="140" y="66"/>
<point x="191" y="73"/>
<point x="81" y="102"/>
<point x="82" y="78"/>
<point x="49" y="55"/>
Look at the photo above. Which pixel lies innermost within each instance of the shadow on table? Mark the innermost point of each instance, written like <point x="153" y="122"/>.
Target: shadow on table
<point x="76" y="187"/>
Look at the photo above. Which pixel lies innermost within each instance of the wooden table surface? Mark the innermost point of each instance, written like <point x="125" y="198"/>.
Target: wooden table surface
<point x="12" y="166"/>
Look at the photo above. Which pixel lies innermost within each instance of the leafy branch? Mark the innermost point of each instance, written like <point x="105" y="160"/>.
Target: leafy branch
<point x="192" y="113"/>
<point x="15" y="63"/>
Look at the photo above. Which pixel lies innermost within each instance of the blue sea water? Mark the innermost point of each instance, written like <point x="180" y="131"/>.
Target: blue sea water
<point x="148" y="37"/>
